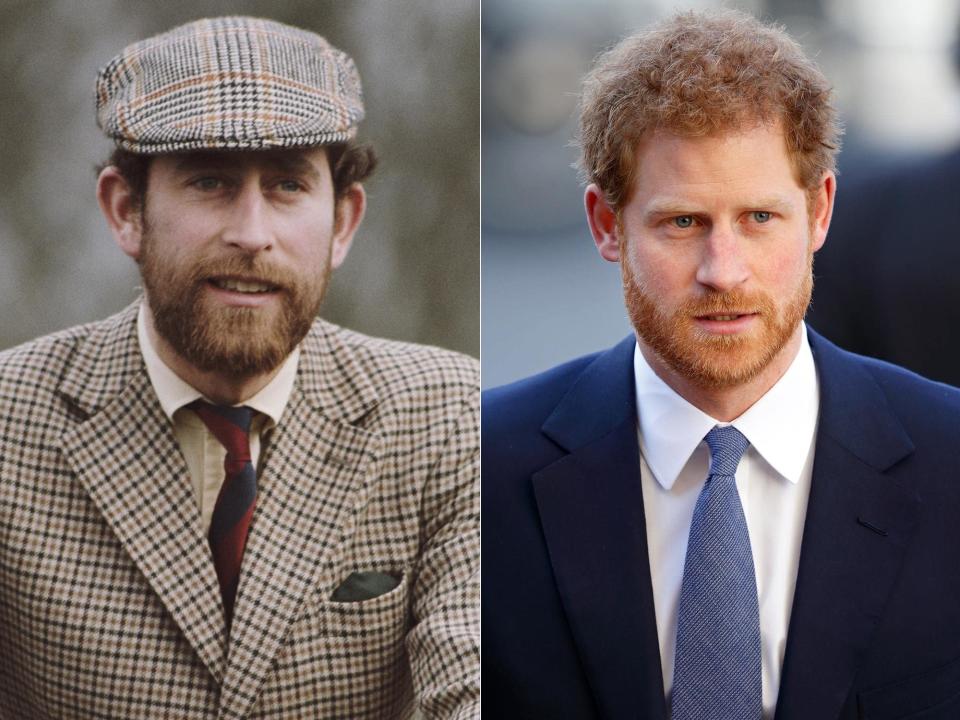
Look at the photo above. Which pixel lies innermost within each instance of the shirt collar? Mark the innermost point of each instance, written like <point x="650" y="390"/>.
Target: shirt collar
<point x="173" y="392"/>
<point x="780" y="426"/>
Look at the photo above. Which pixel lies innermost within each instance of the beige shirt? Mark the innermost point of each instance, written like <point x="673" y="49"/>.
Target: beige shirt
<point x="202" y="451"/>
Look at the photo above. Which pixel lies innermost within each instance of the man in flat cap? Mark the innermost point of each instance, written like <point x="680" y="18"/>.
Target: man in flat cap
<point x="725" y="516"/>
<point x="213" y="504"/>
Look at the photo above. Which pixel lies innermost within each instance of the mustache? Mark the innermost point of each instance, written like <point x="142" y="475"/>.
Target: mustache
<point x="241" y="266"/>
<point x="734" y="302"/>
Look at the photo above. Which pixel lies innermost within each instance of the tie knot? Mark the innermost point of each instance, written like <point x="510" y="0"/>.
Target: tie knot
<point x="727" y="446"/>
<point x="230" y="425"/>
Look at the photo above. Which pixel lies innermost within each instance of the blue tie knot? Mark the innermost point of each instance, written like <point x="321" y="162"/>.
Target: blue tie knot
<point x="727" y="446"/>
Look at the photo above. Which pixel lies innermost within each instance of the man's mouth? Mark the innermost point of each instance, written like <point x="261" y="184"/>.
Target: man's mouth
<point x="724" y="318"/>
<point x="727" y="322"/>
<point x="243" y="286"/>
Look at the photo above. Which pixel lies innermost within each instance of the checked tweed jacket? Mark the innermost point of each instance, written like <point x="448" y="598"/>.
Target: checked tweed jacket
<point x="109" y="603"/>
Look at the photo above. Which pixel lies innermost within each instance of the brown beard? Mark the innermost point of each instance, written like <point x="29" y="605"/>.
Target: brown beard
<point x="233" y="341"/>
<point x="716" y="361"/>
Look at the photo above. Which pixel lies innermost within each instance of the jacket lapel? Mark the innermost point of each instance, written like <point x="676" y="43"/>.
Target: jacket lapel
<point x="591" y="506"/>
<point x="314" y="478"/>
<point x="858" y="524"/>
<point x="125" y="456"/>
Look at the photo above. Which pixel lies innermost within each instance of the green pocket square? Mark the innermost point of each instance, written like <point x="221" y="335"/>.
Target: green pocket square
<point x="365" y="586"/>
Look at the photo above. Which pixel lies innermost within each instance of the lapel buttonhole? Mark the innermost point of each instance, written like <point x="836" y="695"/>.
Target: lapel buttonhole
<point x="870" y="526"/>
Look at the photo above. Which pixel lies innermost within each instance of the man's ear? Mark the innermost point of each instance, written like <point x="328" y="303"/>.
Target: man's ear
<point x="603" y="223"/>
<point x="123" y="216"/>
<point x="349" y="212"/>
<point x="823" y="209"/>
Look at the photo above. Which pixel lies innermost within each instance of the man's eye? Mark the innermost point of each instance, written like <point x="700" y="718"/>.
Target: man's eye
<point x="683" y="221"/>
<point x="290" y="186"/>
<point x="208" y="183"/>
<point x="761" y="216"/>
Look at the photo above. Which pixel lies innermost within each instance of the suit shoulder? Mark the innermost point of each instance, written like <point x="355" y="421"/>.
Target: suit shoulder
<point x="906" y="388"/>
<point x="403" y="367"/>
<point x="531" y="399"/>
<point x="925" y="407"/>
<point x="40" y="363"/>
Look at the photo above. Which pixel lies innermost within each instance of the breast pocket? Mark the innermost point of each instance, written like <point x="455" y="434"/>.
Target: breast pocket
<point x="932" y="695"/>
<point x="382" y="612"/>
<point x="350" y="655"/>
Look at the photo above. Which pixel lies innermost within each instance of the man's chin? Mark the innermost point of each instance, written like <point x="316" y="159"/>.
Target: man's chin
<point x="715" y="373"/>
<point x="238" y="357"/>
<point x="234" y="341"/>
<point x="720" y="362"/>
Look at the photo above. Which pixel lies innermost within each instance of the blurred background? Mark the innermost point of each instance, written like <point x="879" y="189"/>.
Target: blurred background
<point x="547" y="295"/>
<point x="413" y="272"/>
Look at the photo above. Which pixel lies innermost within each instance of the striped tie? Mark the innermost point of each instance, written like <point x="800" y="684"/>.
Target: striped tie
<point x="717" y="672"/>
<point x="238" y="494"/>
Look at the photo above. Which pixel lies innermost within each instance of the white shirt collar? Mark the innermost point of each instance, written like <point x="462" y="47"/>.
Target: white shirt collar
<point x="780" y="425"/>
<point x="173" y="392"/>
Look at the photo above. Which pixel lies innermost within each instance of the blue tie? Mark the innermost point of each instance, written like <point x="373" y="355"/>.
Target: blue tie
<point x="717" y="670"/>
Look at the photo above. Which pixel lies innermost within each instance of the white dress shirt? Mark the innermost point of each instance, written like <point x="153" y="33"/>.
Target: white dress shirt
<point x="203" y="453"/>
<point x="773" y="480"/>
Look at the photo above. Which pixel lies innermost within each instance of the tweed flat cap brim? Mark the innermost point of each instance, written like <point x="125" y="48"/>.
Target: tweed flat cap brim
<point x="234" y="83"/>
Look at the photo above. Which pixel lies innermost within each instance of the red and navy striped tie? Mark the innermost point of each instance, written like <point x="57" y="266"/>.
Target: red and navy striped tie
<point x="238" y="494"/>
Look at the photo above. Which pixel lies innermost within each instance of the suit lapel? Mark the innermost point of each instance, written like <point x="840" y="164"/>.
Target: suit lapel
<point x="591" y="507"/>
<point x="314" y="478"/>
<point x="125" y="456"/>
<point x="859" y="521"/>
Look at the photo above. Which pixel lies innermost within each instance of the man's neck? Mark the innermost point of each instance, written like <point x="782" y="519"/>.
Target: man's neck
<point x="728" y="403"/>
<point x="221" y="389"/>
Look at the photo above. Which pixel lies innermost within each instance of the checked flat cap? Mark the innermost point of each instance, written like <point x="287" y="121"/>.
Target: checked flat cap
<point x="229" y="83"/>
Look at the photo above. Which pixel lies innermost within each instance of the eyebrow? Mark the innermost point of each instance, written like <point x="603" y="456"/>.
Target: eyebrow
<point x="283" y="162"/>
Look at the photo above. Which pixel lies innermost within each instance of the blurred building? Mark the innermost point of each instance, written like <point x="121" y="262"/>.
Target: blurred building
<point x="413" y="272"/>
<point x="547" y="295"/>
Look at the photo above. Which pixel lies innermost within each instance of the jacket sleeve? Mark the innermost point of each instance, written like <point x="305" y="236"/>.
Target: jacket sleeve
<point x="444" y="643"/>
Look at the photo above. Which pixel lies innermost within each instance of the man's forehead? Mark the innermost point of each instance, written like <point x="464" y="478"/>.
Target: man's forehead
<point x="296" y="160"/>
<point x="740" y="149"/>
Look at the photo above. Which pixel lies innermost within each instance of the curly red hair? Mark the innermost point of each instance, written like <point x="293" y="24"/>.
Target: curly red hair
<point x="697" y="74"/>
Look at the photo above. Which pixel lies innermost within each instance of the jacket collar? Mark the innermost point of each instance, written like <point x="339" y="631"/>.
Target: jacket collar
<point x="599" y="401"/>
<point x="330" y="374"/>
<point x="104" y="363"/>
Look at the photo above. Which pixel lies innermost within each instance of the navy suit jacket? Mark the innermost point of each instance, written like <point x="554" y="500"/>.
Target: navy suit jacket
<point x="568" y="619"/>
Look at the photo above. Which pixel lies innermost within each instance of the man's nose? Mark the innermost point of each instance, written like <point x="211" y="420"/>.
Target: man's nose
<point x="248" y="225"/>
<point x="723" y="265"/>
